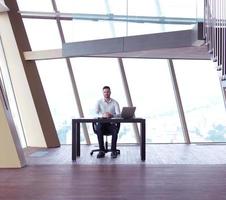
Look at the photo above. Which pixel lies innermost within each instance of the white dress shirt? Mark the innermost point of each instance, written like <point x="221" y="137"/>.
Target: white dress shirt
<point x="111" y="106"/>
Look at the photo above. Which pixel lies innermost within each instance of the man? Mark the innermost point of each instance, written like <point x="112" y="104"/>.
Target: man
<point x="107" y="107"/>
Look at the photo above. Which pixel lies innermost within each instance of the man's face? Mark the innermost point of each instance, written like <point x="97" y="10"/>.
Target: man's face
<point x="107" y="93"/>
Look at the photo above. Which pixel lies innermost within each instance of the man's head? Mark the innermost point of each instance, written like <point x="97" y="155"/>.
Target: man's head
<point x="106" y="92"/>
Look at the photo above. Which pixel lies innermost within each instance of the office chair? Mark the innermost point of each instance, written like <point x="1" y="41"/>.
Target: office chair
<point x="106" y="142"/>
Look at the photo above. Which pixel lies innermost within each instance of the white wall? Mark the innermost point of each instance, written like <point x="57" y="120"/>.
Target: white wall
<point x="32" y="128"/>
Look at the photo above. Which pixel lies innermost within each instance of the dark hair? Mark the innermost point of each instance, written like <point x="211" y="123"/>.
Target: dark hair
<point x="106" y="87"/>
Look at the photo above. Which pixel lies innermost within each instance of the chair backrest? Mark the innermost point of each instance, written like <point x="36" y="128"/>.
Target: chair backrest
<point x="117" y="127"/>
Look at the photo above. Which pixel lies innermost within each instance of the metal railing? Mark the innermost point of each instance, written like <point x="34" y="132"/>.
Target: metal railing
<point x="214" y="33"/>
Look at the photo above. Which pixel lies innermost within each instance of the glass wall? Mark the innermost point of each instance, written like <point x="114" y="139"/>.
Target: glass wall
<point x="179" y="8"/>
<point x="35" y="5"/>
<point x="149" y="80"/>
<point x="152" y="94"/>
<point x="94" y="6"/>
<point x="42" y="34"/>
<point x="202" y="100"/>
<point x="108" y="18"/>
<point x="58" y="89"/>
<point x="91" y="74"/>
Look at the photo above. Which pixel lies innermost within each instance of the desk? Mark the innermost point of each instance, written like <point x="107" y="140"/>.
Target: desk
<point x="76" y="132"/>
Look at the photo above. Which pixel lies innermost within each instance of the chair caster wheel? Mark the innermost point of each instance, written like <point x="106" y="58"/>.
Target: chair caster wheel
<point x="91" y="153"/>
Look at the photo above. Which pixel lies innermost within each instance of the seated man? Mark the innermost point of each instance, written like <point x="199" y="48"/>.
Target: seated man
<point x="107" y="107"/>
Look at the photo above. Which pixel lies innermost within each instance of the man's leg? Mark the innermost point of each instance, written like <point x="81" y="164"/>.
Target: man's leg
<point x="100" y="137"/>
<point x="100" y="130"/>
<point x="113" y="140"/>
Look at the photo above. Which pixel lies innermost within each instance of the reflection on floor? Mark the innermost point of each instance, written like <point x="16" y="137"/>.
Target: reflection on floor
<point x="130" y="154"/>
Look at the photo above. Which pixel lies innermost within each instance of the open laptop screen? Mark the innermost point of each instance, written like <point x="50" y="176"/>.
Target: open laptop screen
<point x="128" y="112"/>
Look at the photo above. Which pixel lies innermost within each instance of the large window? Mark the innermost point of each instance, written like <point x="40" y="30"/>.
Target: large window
<point x="130" y="18"/>
<point x="152" y="94"/>
<point x="58" y="89"/>
<point x="91" y="75"/>
<point x="93" y="7"/>
<point x="35" y="5"/>
<point x="149" y="80"/>
<point x="179" y="8"/>
<point x="202" y="100"/>
<point x="42" y="34"/>
<point x="80" y="30"/>
<point x="169" y="8"/>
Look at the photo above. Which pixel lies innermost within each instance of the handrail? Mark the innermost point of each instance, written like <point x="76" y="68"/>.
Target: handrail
<point x="214" y="33"/>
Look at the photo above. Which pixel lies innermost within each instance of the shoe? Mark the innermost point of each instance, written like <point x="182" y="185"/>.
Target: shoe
<point x="114" y="154"/>
<point x="101" y="154"/>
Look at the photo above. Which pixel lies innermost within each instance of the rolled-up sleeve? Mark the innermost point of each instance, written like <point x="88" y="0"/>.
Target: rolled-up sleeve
<point x="117" y="109"/>
<point x="97" y="109"/>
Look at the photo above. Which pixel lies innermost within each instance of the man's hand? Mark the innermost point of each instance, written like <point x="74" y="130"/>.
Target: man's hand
<point x="107" y="115"/>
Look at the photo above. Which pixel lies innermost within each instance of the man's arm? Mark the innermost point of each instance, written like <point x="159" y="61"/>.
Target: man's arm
<point x="117" y="109"/>
<point x="97" y="109"/>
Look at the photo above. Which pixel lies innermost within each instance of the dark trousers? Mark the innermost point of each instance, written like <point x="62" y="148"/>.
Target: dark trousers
<point x="107" y="129"/>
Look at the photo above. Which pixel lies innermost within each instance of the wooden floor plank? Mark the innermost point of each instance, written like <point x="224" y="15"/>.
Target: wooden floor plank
<point x="171" y="172"/>
<point x="121" y="182"/>
<point x="130" y="154"/>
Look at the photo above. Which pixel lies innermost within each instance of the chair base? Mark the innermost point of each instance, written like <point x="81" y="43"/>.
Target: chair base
<point x="105" y="151"/>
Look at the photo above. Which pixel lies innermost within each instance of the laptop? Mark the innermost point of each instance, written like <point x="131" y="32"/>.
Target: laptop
<point x="128" y="112"/>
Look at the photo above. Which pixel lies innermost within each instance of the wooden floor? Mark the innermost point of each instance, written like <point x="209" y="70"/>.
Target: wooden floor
<point x="130" y="154"/>
<point x="171" y="172"/>
<point x="114" y="182"/>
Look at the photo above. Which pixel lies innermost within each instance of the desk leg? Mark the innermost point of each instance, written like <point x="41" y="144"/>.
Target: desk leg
<point x="74" y="133"/>
<point x="143" y="143"/>
<point x="78" y="138"/>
